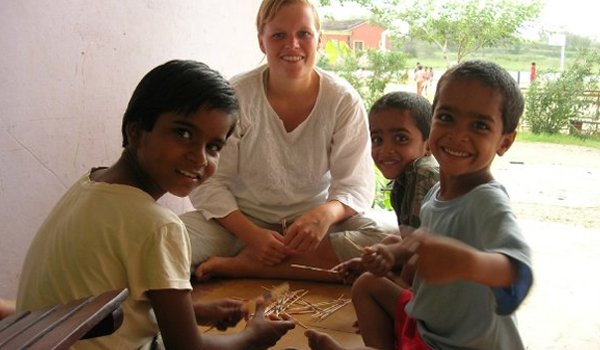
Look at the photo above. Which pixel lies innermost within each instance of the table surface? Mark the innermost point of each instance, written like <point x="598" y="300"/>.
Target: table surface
<point x="338" y="324"/>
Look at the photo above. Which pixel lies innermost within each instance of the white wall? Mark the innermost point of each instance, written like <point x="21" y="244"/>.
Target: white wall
<point x="67" y="70"/>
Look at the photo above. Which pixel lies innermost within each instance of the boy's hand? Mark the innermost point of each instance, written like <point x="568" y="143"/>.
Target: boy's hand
<point x="222" y="313"/>
<point x="267" y="246"/>
<point x="263" y="333"/>
<point x="378" y="259"/>
<point x="438" y="259"/>
<point x="349" y="270"/>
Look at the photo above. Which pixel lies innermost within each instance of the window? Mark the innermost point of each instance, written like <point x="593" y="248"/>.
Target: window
<point x="358" y="45"/>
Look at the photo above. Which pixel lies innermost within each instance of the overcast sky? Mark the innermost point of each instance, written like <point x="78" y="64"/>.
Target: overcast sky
<point x="576" y="16"/>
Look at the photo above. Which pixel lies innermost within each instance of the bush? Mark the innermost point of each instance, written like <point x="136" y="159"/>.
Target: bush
<point x="369" y="71"/>
<point x="382" y="192"/>
<point x="552" y="101"/>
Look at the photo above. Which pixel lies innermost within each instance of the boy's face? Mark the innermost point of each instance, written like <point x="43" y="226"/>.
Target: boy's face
<point x="395" y="141"/>
<point x="466" y="130"/>
<point x="180" y="152"/>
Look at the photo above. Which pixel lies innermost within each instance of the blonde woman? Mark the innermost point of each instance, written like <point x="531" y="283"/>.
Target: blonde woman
<point x="296" y="176"/>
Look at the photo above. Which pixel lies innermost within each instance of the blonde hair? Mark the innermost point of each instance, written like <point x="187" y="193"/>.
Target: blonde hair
<point x="269" y="8"/>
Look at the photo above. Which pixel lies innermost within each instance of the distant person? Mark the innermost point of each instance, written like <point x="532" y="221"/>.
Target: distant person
<point x="416" y="68"/>
<point x="532" y="72"/>
<point x="473" y="266"/>
<point x="428" y="80"/>
<point x="420" y="79"/>
<point x="108" y="232"/>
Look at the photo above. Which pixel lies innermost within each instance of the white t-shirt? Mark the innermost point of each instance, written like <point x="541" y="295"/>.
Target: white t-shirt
<point x="101" y="237"/>
<point x="271" y="174"/>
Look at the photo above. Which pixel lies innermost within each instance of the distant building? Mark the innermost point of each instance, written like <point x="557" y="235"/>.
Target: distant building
<point x="359" y="34"/>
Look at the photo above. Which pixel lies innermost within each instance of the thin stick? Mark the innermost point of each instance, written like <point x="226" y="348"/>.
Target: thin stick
<point x="354" y="244"/>
<point x="313" y="268"/>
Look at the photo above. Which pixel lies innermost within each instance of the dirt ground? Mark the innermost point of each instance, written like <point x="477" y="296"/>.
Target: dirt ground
<point x="553" y="183"/>
<point x="556" y="194"/>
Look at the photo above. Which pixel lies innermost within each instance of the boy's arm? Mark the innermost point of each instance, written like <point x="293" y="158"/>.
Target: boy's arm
<point x="175" y="316"/>
<point x="221" y="313"/>
<point x="492" y="269"/>
<point x="440" y="259"/>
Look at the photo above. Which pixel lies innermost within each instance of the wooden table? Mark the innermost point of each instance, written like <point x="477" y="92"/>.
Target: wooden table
<point x="338" y="324"/>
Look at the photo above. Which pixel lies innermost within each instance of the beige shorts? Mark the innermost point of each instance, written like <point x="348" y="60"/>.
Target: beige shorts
<point x="208" y="238"/>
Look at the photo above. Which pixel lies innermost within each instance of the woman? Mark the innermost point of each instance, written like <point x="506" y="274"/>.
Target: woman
<point x="299" y="155"/>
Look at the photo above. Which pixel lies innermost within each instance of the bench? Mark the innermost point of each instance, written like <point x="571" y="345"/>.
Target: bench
<point x="60" y="326"/>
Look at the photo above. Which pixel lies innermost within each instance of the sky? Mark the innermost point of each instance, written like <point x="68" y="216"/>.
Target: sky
<point x="574" y="16"/>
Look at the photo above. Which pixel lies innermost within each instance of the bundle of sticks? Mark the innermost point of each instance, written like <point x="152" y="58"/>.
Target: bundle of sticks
<point x="292" y="302"/>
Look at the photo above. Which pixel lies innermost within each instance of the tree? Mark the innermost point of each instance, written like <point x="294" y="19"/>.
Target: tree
<point x="369" y="71"/>
<point x="463" y="25"/>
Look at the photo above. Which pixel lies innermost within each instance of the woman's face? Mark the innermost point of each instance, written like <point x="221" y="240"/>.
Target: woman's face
<point x="290" y="41"/>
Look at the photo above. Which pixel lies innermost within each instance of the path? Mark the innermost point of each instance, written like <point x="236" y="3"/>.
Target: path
<point x="556" y="194"/>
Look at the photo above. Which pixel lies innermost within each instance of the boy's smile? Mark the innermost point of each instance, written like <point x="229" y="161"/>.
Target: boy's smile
<point x="395" y="141"/>
<point x="466" y="131"/>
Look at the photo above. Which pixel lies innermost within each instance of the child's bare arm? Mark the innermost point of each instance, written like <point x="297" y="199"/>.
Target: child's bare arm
<point x="177" y="322"/>
<point x="222" y="313"/>
<point x="175" y="316"/>
<point x="441" y="259"/>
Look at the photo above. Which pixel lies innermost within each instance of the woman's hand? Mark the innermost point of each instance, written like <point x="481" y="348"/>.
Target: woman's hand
<point x="307" y="231"/>
<point x="222" y="313"/>
<point x="267" y="246"/>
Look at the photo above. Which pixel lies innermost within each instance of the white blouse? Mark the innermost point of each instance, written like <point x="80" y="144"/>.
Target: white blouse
<point x="271" y="174"/>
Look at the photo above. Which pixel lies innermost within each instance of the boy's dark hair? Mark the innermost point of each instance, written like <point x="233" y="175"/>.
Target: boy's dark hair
<point x="496" y="78"/>
<point x="178" y="86"/>
<point x="418" y="106"/>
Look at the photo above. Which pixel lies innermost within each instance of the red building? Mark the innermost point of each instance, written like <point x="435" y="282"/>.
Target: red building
<point x="359" y="34"/>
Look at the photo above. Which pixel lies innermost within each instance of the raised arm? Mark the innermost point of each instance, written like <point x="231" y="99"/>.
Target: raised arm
<point x="441" y="259"/>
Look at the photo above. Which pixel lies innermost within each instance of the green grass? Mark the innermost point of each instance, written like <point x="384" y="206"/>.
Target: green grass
<point x="562" y="139"/>
<point x="547" y="58"/>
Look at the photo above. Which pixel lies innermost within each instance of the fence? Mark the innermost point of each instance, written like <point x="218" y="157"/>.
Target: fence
<point x="589" y="121"/>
